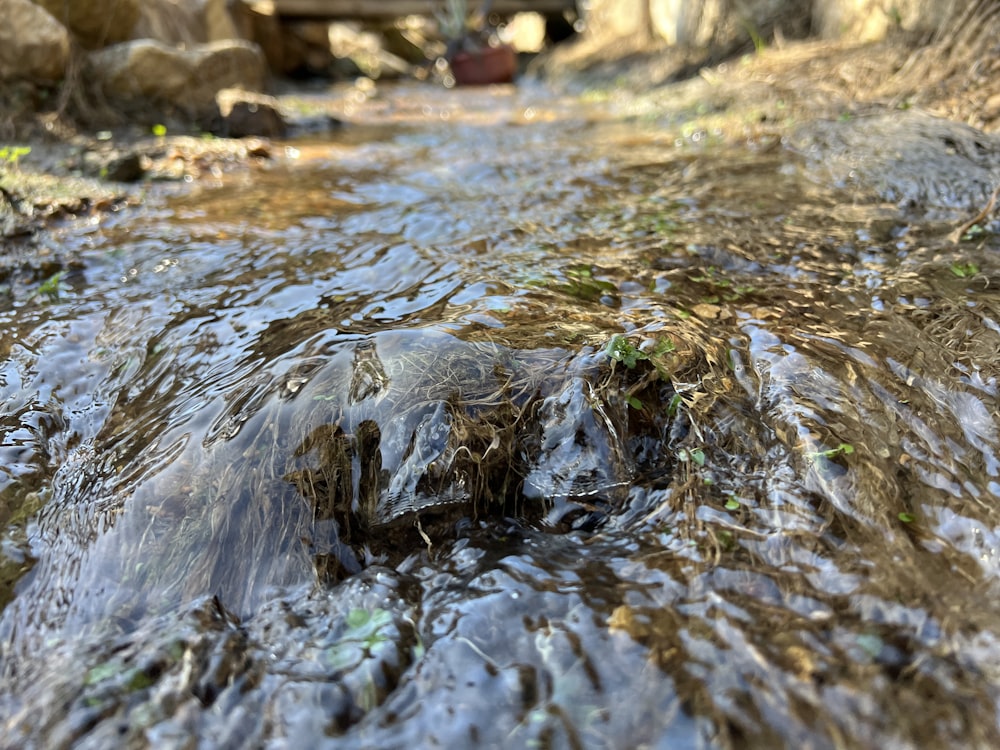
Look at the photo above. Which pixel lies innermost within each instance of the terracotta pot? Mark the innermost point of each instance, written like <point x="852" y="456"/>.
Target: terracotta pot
<point x="484" y="66"/>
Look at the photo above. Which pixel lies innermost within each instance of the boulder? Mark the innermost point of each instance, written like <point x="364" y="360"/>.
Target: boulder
<point x="185" y="21"/>
<point x="95" y="23"/>
<point x="34" y="46"/>
<point x="135" y="73"/>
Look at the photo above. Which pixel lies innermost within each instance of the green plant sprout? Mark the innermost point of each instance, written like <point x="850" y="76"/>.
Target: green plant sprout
<point x="964" y="270"/>
<point x="11" y="155"/>
<point x="53" y="286"/>
<point x="695" y="455"/>
<point x="844" y="449"/>
<point x="620" y="349"/>
<point x="675" y="404"/>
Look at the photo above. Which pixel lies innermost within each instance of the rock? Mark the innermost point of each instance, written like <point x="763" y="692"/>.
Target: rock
<point x="141" y="71"/>
<point x="125" y="167"/>
<point x="185" y="21"/>
<point x="34" y="46"/>
<point x="243" y="113"/>
<point x="95" y="23"/>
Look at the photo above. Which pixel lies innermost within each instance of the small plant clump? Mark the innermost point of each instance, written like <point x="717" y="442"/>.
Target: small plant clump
<point x="53" y="287"/>
<point x="843" y="449"/>
<point x="620" y="349"/>
<point x="964" y="270"/>
<point x="11" y="155"/>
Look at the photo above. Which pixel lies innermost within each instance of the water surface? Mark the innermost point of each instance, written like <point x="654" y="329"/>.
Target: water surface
<point x="505" y="420"/>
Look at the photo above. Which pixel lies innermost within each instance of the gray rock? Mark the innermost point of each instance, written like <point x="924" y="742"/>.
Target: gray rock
<point x="34" y="46"/>
<point x="132" y="74"/>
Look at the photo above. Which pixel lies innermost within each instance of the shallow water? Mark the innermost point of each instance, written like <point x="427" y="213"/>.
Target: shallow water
<point x="336" y="452"/>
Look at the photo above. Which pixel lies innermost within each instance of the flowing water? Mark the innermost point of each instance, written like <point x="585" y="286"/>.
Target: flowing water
<point x="499" y="420"/>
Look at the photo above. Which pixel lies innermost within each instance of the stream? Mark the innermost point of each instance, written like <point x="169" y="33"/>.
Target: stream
<point x="501" y="419"/>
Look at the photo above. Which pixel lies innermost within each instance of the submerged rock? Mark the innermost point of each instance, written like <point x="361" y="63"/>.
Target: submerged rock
<point x="407" y="429"/>
<point x="371" y="452"/>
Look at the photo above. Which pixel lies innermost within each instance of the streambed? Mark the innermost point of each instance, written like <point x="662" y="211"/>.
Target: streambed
<point x="500" y="419"/>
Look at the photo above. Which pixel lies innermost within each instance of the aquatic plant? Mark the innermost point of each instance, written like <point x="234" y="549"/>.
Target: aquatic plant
<point x="964" y="270"/>
<point x="53" y="287"/>
<point x="623" y="351"/>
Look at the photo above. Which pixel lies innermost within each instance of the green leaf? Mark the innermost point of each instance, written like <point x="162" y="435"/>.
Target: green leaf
<point x="634" y="402"/>
<point x="159" y="130"/>
<point x="732" y="504"/>
<point x="53" y="286"/>
<point x="698" y="456"/>
<point x="358" y="618"/>
<point x="674" y="405"/>
<point x="622" y="350"/>
<point x="907" y="517"/>
<point x="102" y="672"/>
<point x="844" y="449"/>
<point x="964" y="270"/>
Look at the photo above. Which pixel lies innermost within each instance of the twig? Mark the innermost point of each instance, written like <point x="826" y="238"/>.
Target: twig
<point x="957" y="235"/>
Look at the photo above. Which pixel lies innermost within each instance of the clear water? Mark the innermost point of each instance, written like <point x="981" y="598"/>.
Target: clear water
<point x="333" y="452"/>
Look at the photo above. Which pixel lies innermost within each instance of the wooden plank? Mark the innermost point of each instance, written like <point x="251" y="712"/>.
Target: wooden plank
<point x="389" y="9"/>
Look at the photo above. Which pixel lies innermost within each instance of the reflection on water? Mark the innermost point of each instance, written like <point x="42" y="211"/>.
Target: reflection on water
<point x="346" y="453"/>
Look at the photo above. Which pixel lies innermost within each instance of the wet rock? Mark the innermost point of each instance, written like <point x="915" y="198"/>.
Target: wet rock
<point x="243" y="113"/>
<point x="920" y="162"/>
<point x="133" y="73"/>
<point x="125" y="168"/>
<point x="33" y="45"/>
<point x="95" y="23"/>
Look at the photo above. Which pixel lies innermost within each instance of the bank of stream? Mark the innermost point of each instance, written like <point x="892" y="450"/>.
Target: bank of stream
<point x="502" y="419"/>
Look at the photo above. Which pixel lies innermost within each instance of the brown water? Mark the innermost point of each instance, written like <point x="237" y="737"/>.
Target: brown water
<point x="336" y="454"/>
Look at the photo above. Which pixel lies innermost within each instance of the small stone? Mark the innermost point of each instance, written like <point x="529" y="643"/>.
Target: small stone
<point x="125" y="168"/>
<point x="138" y="73"/>
<point x="244" y="113"/>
